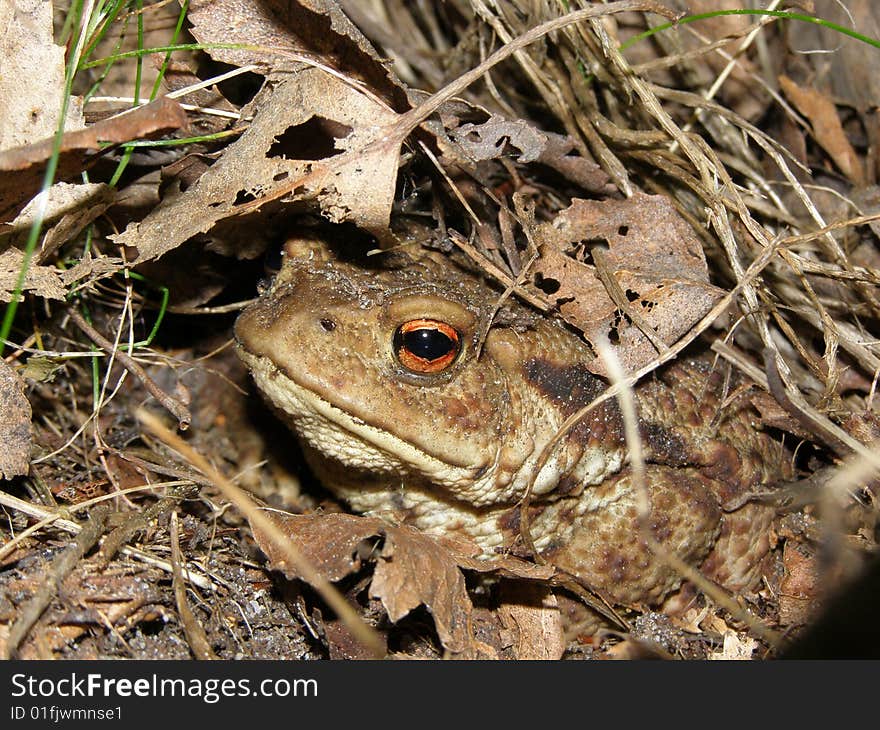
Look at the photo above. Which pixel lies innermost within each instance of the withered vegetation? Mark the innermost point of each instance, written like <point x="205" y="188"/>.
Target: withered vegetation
<point x="710" y="186"/>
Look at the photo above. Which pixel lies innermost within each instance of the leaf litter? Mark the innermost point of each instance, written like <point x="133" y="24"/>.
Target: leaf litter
<point x="635" y="205"/>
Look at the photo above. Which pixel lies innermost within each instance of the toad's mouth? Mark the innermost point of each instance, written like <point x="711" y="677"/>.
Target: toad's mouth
<point x="344" y="437"/>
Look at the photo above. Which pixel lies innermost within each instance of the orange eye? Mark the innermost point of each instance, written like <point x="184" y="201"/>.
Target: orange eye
<point x="426" y="345"/>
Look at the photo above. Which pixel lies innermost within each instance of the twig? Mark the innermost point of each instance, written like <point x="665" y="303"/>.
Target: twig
<point x="50" y="517"/>
<point x="195" y="634"/>
<point x="59" y="569"/>
<point x="259" y="521"/>
<point x="174" y="406"/>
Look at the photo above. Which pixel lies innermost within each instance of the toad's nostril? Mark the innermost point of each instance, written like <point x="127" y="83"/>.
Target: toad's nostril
<point x="328" y="325"/>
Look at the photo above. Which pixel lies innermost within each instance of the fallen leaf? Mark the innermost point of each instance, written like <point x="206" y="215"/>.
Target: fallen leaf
<point x="735" y="647"/>
<point x="44" y="281"/>
<point x="328" y="542"/>
<point x="15" y="424"/>
<point x="307" y="140"/>
<point x="48" y="281"/>
<point x="412" y="572"/>
<point x="530" y="613"/>
<point x="67" y="209"/>
<point x="827" y="129"/>
<point x="412" y="569"/>
<point x="32" y="82"/>
<point x="28" y="162"/>
<point x="487" y="141"/>
<point x="284" y="31"/>
<point x="655" y="259"/>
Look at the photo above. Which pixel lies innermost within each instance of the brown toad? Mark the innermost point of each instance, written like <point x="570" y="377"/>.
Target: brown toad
<point x="379" y="370"/>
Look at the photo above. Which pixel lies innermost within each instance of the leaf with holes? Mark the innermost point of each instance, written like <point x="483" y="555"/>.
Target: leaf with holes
<point x="652" y="261"/>
<point x="314" y="137"/>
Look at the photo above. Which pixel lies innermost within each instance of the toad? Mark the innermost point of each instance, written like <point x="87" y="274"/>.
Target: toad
<point x="418" y="400"/>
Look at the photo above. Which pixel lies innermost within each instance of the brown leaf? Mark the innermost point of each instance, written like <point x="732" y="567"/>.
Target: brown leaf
<point x="15" y="424"/>
<point x="29" y="161"/>
<point x="67" y="209"/>
<point x="412" y="572"/>
<point x="314" y="28"/>
<point x="827" y="129"/>
<point x="412" y="569"/>
<point x="487" y="141"/>
<point x="654" y="257"/>
<point x="329" y="542"/>
<point x="49" y="281"/>
<point x="530" y="614"/>
<point x="32" y="81"/>
<point x="309" y="139"/>
<point x="44" y="281"/>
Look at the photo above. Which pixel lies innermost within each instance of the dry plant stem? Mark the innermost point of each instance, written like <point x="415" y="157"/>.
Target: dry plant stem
<point x="739" y="361"/>
<point x="415" y="116"/>
<point x="48" y="517"/>
<point x="778" y="391"/>
<point x="637" y="462"/>
<point x="195" y="634"/>
<point x="558" y="102"/>
<point x="57" y="571"/>
<point x="174" y="406"/>
<point x="255" y="515"/>
<point x="732" y="61"/>
<point x="497" y="273"/>
<point x="136" y="521"/>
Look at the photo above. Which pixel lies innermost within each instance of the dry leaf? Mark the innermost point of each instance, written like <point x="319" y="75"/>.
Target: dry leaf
<point x="317" y="29"/>
<point x="735" y="647"/>
<point x="48" y="281"/>
<point x="498" y="137"/>
<point x="827" y="128"/>
<point x="487" y="141"/>
<point x="32" y="81"/>
<point x="67" y="209"/>
<point x="307" y="139"/>
<point x="328" y="542"/>
<point x="412" y="569"/>
<point x="799" y="589"/>
<point x="15" y="424"/>
<point x="44" y="281"/>
<point x="530" y="614"/>
<point x="29" y="162"/>
<point x="412" y="572"/>
<point x="654" y="257"/>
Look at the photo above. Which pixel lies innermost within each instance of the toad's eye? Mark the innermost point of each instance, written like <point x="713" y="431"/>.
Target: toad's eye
<point x="426" y="345"/>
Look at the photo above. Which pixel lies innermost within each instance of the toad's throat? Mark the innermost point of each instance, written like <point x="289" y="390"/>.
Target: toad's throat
<point x="348" y="439"/>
